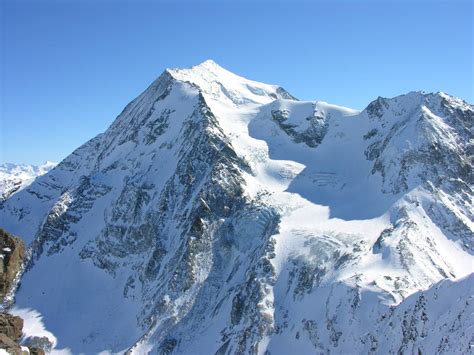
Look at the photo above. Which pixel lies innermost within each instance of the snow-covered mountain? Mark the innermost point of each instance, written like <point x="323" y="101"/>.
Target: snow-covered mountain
<point x="14" y="177"/>
<point x="218" y="215"/>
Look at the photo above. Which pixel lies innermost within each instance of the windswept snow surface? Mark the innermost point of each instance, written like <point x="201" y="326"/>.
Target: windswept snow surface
<point x="222" y="215"/>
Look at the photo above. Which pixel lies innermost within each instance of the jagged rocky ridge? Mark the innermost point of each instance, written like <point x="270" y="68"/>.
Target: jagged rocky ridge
<point x="221" y="215"/>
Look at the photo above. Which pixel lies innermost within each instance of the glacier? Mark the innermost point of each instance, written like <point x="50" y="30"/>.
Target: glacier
<point x="219" y="215"/>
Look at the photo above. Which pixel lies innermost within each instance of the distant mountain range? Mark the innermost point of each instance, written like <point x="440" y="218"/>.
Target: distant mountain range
<point x="14" y="177"/>
<point x="219" y="215"/>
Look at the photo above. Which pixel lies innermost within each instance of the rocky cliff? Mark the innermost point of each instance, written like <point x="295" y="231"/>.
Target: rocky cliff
<point x="12" y="254"/>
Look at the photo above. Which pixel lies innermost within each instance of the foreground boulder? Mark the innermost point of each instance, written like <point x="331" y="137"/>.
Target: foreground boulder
<point x="11" y="326"/>
<point x="10" y="333"/>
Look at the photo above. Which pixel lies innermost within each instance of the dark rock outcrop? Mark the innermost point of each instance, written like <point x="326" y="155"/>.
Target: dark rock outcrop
<point x="10" y="333"/>
<point x="11" y="326"/>
<point x="12" y="253"/>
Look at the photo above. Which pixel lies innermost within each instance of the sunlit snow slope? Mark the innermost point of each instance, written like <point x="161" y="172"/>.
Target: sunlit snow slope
<point x="221" y="215"/>
<point x="14" y="177"/>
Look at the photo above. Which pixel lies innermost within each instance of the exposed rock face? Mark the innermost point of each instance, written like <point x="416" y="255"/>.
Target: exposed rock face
<point x="10" y="333"/>
<point x="11" y="326"/>
<point x="219" y="215"/>
<point x="10" y="346"/>
<point x="309" y="130"/>
<point x="12" y="253"/>
<point x="36" y="351"/>
<point x="38" y="345"/>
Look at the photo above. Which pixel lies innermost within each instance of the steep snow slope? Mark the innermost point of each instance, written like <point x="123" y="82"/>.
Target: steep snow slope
<point x="14" y="177"/>
<point x="221" y="215"/>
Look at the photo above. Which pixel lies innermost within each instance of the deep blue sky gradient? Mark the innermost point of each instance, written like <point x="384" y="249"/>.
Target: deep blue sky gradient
<point x="69" y="67"/>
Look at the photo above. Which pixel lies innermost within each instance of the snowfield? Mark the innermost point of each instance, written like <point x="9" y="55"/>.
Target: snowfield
<point x="14" y="177"/>
<point x="219" y="215"/>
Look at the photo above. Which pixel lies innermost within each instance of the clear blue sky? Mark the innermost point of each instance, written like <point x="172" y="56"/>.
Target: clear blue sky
<point x="69" y="67"/>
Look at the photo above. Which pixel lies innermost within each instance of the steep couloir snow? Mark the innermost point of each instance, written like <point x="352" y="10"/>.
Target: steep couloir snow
<point x="14" y="177"/>
<point x="219" y="215"/>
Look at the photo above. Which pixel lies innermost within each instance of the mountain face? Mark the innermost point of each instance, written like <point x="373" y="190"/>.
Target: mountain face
<point x="14" y="177"/>
<point x="219" y="215"/>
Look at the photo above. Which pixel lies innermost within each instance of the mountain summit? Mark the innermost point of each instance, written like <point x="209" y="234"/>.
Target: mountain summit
<point x="219" y="215"/>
